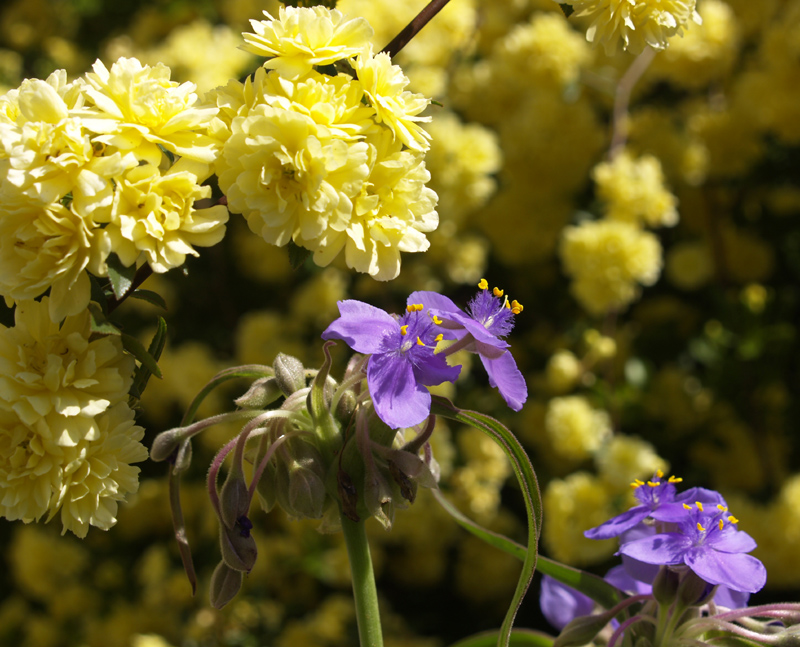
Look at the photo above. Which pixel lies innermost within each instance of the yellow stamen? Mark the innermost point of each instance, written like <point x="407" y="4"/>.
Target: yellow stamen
<point x="497" y="292"/>
<point x="686" y="506"/>
<point x="660" y="474"/>
<point x="419" y="342"/>
<point x="483" y="284"/>
<point x="404" y="329"/>
<point x="410" y="307"/>
<point x="653" y="483"/>
<point x="637" y="483"/>
<point x="438" y="338"/>
<point x="733" y="519"/>
<point x="436" y="320"/>
<point x="720" y="524"/>
<point x="721" y="508"/>
<point x="699" y="505"/>
<point x="700" y="528"/>
<point x="674" y="479"/>
<point x="516" y="307"/>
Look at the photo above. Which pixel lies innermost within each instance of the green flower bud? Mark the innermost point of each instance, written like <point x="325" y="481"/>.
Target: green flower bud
<point x="583" y="630"/>
<point x="266" y="488"/>
<point x="301" y="480"/>
<point x="263" y="392"/>
<point x="693" y="591"/>
<point x="234" y="498"/>
<point x="165" y="444"/>
<point x="290" y="375"/>
<point x="238" y="546"/>
<point x="184" y="457"/>
<point x="378" y="497"/>
<point x="665" y="585"/>
<point x="225" y="584"/>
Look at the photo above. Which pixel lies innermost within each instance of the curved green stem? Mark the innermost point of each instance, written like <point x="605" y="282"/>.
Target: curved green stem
<point x="364" y="589"/>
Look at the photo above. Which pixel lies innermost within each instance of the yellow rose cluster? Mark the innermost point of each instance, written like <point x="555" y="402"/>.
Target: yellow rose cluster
<point x="329" y="160"/>
<point x="68" y="435"/>
<point x="86" y="171"/>
<point x="635" y="23"/>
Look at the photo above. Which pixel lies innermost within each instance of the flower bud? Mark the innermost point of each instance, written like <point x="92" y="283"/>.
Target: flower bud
<point x="583" y="629"/>
<point x="234" y="498"/>
<point x="183" y="458"/>
<point x="290" y="375"/>
<point x="263" y="392"/>
<point x="408" y="487"/>
<point x="238" y="546"/>
<point x="346" y="406"/>
<point x="694" y="591"/>
<point x="665" y="585"/>
<point x="225" y="584"/>
<point x="165" y="444"/>
<point x="306" y="492"/>
<point x="348" y="495"/>
<point x="300" y="480"/>
<point x="378" y="497"/>
<point x="266" y="488"/>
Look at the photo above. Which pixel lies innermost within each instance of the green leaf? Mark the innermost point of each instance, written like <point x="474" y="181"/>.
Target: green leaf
<point x="137" y="349"/>
<point x="142" y="374"/>
<point x="566" y="8"/>
<point x="121" y="276"/>
<point x="99" y="294"/>
<point x="595" y="587"/>
<point x="519" y="638"/>
<point x="99" y="324"/>
<point x="151" y="297"/>
<point x="529" y="486"/>
<point x="297" y="255"/>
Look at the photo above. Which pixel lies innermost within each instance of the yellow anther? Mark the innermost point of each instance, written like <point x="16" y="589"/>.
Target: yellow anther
<point x="420" y="342"/>
<point x="720" y="524"/>
<point x="721" y="508"/>
<point x="699" y="505"/>
<point x="438" y="338"/>
<point x="653" y="483"/>
<point x="497" y="292"/>
<point x="410" y="307"/>
<point x="404" y="329"/>
<point x="660" y="474"/>
<point x="686" y="506"/>
<point x="637" y="483"/>
<point x="700" y="528"/>
<point x="516" y="307"/>
<point x="483" y="284"/>
<point x="733" y="519"/>
<point x="436" y="320"/>
<point x="675" y="479"/>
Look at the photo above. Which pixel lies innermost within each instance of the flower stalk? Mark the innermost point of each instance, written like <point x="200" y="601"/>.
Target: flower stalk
<point x="365" y="592"/>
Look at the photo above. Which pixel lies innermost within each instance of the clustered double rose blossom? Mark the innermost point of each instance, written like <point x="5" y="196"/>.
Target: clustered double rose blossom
<point x="329" y="160"/>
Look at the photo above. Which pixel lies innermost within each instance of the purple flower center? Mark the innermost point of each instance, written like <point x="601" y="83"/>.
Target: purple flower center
<point x="702" y="524"/>
<point x="653" y="493"/>
<point x="418" y="335"/>
<point x="492" y="312"/>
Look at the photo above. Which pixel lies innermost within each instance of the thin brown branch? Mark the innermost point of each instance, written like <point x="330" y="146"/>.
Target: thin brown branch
<point x="142" y="274"/>
<point x="413" y="28"/>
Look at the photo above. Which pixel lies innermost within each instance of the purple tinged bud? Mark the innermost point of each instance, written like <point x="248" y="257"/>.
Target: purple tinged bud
<point x="238" y="546"/>
<point x="582" y="630"/>
<point x="665" y="586"/>
<point x="234" y="498"/>
<point x="225" y="584"/>
<point x="263" y="392"/>
<point x="289" y="374"/>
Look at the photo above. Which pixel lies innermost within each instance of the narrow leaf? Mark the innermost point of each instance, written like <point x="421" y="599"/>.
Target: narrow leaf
<point x="529" y="487"/>
<point x="519" y="638"/>
<point x="121" y="276"/>
<point x="248" y="370"/>
<point x="297" y="255"/>
<point x="142" y="374"/>
<point x="98" y="322"/>
<point x="137" y="349"/>
<point x="151" y="297"/>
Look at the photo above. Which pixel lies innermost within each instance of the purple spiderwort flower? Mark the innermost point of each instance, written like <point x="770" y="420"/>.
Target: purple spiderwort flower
<point x="489" y="317"/>
<point x="707" y="541"/>
<point x="658" y="499"/>
<point x="561" y="604"/>
<point x="402" y="360"/>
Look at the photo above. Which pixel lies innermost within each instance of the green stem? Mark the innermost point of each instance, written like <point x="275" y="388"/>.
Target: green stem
<point x="364" y="590"/>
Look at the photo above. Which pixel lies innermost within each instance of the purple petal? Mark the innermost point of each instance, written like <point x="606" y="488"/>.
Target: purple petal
<point x="362" y="326"/>
<point x="491" y="349"/>
<point x="731" y="599"/>
<point x="619" y="524"/>
<point x="731" y="540"/>
<point x="736" y="571"/>
<point x="620" y="576"/>
<point x="666" y="549"/>
<point x="476" y="329"/>
<point x="433" y="301"/>
<point x="561" y="604"/>
<point x="431" y="370"/>
<point x="705" y="496"/>
<point x="673" y="512"/>
<point x="399" y="401"/>
<point x="504" y="374"/>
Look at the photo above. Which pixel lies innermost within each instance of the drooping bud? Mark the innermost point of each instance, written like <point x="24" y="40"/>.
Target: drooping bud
<point x="266" y="488"/>
<point x="225" y="584"/>
<point x="238" y="546"/>
<point x="183" y="458"/>
<point x="694" y="591"/>
<point x="165" y="444"/>
<point x="263" y="392"/>
<point x="234" y="498"/>
<point x="582" y="630"/>
<point x="306" y="492"/>
<point x="289" y="374"/>
<point x="378" y="497"/>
